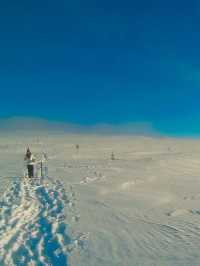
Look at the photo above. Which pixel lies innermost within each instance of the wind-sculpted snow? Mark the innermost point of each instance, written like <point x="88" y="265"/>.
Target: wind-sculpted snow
<point x="32" y="224"/>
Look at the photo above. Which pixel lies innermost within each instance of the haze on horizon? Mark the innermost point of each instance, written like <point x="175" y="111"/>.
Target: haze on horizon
<point x="18" y="125"/>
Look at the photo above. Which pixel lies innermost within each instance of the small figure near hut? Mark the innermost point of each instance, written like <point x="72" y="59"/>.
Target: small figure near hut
<point x="30" y="162"/>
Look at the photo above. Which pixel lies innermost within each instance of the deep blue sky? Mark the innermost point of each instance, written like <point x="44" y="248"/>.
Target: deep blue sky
<point x="103" y="61"/>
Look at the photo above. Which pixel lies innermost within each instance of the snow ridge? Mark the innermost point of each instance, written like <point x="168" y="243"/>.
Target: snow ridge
<point x="32" y="224"/>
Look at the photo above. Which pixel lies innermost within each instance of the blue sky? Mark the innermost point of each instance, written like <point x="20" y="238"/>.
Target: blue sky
<point x="90" y="62"/>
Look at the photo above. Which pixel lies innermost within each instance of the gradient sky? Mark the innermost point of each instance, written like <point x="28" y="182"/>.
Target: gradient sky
<point x="102" y="61"/>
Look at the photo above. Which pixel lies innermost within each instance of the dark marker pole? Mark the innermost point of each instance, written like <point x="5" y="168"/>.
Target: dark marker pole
<point x="41" y="166"/>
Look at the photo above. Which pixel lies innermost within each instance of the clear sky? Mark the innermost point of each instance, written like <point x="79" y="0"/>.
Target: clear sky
<point x="102" y="61"/>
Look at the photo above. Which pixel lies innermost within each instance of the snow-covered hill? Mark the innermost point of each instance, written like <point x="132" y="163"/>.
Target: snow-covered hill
<point x="142" y="208"/>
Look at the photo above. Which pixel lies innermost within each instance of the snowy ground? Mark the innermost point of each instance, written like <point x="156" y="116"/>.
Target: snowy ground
<point x="143" y="208"/>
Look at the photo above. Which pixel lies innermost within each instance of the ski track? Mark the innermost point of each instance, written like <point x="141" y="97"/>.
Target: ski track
<point x="32" y="227"/>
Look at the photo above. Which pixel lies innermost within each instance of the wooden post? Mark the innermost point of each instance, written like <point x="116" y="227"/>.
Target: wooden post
<point x="41" y="167"/>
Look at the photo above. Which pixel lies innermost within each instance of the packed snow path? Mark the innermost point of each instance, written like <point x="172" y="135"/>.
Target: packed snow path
<point x="32" y="227"/>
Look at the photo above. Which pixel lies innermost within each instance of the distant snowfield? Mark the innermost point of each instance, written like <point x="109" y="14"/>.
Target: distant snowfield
<point x="143" y="208"/>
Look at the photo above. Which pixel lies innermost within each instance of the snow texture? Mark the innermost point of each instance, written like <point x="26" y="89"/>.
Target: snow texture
<point x="141" y="209"/>
<point x="32" y="224"/>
